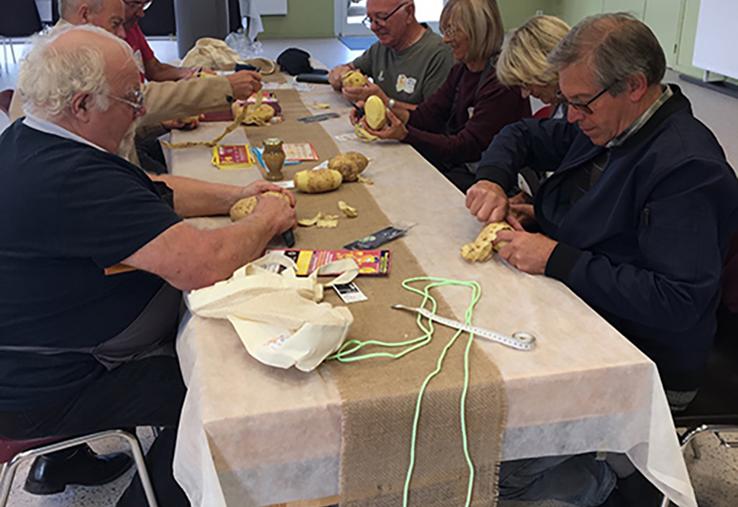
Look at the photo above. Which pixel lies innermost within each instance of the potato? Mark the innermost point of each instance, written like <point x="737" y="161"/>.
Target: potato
<point x="347" y="165"/>
<point x="259" y="115"/>
<point x="360" y="159"/>
<point x="354" y="79"/>
<point x="375" y="113"/>
<point x="190" y="119"/>
<point x="316" y="182"/>
<point x="244" y="207"/>
<point x="363" y="135"/>
<point x="482" y="247"/>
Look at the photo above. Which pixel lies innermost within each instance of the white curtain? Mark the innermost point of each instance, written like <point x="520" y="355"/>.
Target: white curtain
<point x="250" y="11"/>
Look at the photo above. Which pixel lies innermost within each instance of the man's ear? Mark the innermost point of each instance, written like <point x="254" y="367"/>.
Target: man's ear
<point x="81" y="106"/>
<point x="637" y="86"/>
<point x="84" y="13"/>
<point x="410" y="11"/>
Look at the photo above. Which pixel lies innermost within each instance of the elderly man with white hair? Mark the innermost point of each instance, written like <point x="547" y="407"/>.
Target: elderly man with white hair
<point x="163" y="100"/>
<point x="81" y="351"/>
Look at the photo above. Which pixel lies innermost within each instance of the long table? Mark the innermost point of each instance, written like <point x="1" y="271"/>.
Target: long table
<point x="253" y="435"/>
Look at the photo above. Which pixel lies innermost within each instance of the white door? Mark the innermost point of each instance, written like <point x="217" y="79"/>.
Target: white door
<point x="665" y="17"/>
<point x="350" y="13"/>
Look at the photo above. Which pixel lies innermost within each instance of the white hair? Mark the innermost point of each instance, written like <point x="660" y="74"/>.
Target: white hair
<point x="67" y="7"/>
<point x="49" y="78"/>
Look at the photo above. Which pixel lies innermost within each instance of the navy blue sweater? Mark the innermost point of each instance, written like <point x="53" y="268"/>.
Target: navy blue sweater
<point x="644" y="245"/>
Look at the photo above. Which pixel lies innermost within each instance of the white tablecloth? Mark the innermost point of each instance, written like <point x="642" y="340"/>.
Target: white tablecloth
<point x="251" y="435"/>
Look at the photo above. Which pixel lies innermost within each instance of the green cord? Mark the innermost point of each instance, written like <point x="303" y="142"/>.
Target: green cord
<point x="346" y="355"/>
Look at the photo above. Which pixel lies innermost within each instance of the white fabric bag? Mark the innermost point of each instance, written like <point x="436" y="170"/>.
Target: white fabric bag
<point x="278" y="316"/>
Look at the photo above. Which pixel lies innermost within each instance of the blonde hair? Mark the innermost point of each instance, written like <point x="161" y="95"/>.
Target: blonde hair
<point x="524" y="58"/>
<point x="480" y="21"/>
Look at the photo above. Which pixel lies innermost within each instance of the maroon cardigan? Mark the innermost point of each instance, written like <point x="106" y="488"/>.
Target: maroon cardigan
<point x="494" y="107"/>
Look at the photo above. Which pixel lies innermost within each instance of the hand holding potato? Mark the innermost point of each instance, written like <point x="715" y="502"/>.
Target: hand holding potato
<point x="277" y="211"/>
<point x="394" y="128"/>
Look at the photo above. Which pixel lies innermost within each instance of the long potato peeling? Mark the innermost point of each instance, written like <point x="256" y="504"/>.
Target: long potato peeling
<point x="191" y="144"/>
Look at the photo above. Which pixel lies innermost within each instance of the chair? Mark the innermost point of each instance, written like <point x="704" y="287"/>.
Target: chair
<point x="6" y="98"/>
<point x="715" y="409"/>
<point x="20" y="19"/>
<point x="15" y="452"/>
<point x="54" y="11"/>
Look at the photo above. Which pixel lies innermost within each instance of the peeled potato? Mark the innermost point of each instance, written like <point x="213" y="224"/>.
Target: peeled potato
<point x="375" y="113"/>
<point x="316" y="182"/>
<point x="354" y="79"/>
<point x="482" y="247"/>
<point x="244" y="207"/>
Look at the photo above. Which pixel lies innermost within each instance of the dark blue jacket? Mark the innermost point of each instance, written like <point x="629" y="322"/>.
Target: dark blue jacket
<point x="644" y="245"/>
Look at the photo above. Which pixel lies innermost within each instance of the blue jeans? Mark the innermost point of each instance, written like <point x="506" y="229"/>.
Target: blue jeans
<point x="580" y="480"/>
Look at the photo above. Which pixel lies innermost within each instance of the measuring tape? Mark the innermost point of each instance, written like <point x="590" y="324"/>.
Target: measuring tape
<point x="518" y="341"/>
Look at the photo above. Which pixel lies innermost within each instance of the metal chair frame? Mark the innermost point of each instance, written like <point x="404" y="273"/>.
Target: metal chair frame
<point x="8" y="470"/>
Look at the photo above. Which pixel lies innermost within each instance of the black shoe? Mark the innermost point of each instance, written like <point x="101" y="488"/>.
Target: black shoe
<point x="52" y="473"/>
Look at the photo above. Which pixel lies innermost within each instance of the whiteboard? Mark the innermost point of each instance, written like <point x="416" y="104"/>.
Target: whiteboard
<point x="717" y="37"/>
<point x="271" y="7"/>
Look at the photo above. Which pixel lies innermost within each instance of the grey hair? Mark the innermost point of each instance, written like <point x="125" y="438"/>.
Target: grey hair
<point x="616" y="46"/>
<point x="67" y="7"/>
<point x="49" y="78"/>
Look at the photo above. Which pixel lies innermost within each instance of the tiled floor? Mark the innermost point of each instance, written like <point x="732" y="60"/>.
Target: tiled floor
<point x="715" y="476"/>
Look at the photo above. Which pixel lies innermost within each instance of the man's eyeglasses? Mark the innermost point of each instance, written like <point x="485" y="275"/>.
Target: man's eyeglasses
<point x="381" y="19"/>
<point x="135" y="100"/>
<point x="139" y="3"/>
<point x="583" y="107"/>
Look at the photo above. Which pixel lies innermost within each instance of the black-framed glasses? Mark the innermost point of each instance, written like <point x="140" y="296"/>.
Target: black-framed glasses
<point x="135" y="100"/>
<point x="382" y="19"/>
<point x="139" y="3"/>
<point x="583" y="107"/>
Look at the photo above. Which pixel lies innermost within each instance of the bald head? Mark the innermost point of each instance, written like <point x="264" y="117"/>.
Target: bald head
<point x="106" y="14"/>
<point x="69" y="7"/>
<point x="393" y="22"/>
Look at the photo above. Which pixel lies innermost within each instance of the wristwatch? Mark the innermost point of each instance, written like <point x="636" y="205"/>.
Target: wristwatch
<point x="391" y="103"/>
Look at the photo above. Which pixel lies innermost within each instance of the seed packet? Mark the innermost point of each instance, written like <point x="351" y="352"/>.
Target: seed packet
<point x="375" y="240"/>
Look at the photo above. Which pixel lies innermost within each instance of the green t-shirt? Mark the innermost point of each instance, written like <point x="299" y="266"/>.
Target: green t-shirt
<point x="413" y="74"/>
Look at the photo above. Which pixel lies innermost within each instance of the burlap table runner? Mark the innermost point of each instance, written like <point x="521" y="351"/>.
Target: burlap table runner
<point x="378" y="396"/>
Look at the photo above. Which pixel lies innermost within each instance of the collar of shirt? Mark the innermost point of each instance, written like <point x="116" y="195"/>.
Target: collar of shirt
<point x="48" y="127"/>
<point x="642" y="119"/>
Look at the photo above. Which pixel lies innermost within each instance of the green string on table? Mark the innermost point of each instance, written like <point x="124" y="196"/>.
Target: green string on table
<point x="346" y="354"/>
